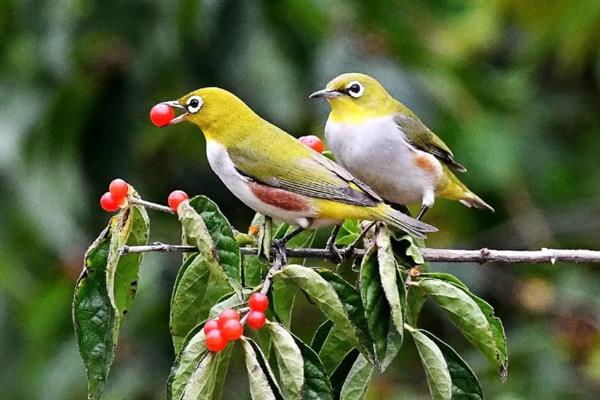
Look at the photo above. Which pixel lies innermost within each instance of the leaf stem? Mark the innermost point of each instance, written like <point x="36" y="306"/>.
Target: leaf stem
<point x="147" y="204"/>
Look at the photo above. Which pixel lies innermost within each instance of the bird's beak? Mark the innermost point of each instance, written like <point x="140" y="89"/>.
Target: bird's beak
<point x="179" y="118"/>
<point x="325" y="94"/>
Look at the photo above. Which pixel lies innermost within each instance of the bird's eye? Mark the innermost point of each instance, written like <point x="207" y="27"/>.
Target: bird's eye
<point x="355" y="89"/>
<point x="194" y="104"/>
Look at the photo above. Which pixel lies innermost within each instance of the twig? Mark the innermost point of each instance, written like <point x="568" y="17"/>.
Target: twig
<point x="432" y="255"/>
<point x="147" y="204"/>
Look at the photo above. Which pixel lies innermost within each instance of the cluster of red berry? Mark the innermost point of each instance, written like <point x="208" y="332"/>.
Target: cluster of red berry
<point x="313" y="142"/>
<point x="228" y="327"/>
<point x="116" y="195"/>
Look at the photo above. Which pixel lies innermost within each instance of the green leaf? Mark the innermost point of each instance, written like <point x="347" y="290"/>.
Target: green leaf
<point x="348" y="233"/>
<point x="94" y="318"/>
<point x="434" y="363"/>
<point x="415" y="298"/>
<point x="189" y="358"/>
<point x="488" y="311"/>
<point x="230" y="300"/>
<point x="392" y="285"/>
<point x="221" y="233"/>
<point x="206" y="382"/>
<point x="316" y="384"/>
<point x="263" y="385"/>
<point x="352" y="303"/>
<point x="357" y="381"/>
<point x="320" y="335"/>
<point x="187" y="297"/>
<point x="334" y="349"/>
<point x="410" y="252"/>
<point x="465" y="313"/>
<point x="378" y="311"/>
<point x="283" y="293"/>
<point x="322" y="294"/>
<point x="289" y="360"/>
<point x="338" y="377"/>
<point x="465" y="385"/>
<point x="130" y="227"/>
<point x="254" y="269"/>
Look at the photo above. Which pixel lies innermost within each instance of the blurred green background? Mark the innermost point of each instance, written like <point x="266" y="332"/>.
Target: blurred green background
<point x="513" y="87"/>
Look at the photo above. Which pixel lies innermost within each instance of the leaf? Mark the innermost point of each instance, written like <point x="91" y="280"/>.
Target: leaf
<point x="352" y="303"/>
<point x="230" y="300"/>
<point x="289" y="360"/>
<point x="206" y="382"/>
<point x="94" y="318"/>
<point x="378" y="312"/>
<point x="320" y="335"/>
<point x="488" y="311"/>
<point x="187" y="297"/>
<point x="410" y="252"/>
<point x="348" y="233"/>
<point x="333" y="350"/>
<point x="394" y="291"/>
<point x="415" y="298"/>
<point x="322" y="294"/>
<point x="254" y="269"/>
<point x="434" y="364"/>
<point x="130" y="227"/>
<point x="341" y="372"/>
<point x="193" y="351"/>
<point x="283" y="293"/>
<point x="465" y="385"/>
<point x="221" y="233"/>
<point x="316" y="384"/>
<point x="262" y="382"/>
<point x="465" y="313"/>
<point x="199" y="283"/>
<point x="357" y="381"/>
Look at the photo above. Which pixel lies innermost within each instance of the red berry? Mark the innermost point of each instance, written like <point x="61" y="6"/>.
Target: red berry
<point x="215" y="341"/>
<point x="256" y="319"/>
<point x="258" y="302"/>
<point x="118" y="188"/>
<point x="226" y="315"/>
<point x="313" y="142"/>
<point x="211" y="325"/>
<point x="175" y="198"/>
<point x="108" y="203"/>
<point x="161" y="114"/>
<point x="232" y="329"/>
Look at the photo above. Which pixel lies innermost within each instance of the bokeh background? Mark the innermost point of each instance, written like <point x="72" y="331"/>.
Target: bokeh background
<point x="513" y="86"/>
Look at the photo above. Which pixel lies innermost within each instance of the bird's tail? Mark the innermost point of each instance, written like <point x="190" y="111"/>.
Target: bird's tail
<point x="470" y="199"/>
<point x="402" y="221"/>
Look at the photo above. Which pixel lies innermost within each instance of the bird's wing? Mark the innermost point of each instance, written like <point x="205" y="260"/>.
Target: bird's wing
<point x="421" y="137"/>
<point x="311" y="174"/>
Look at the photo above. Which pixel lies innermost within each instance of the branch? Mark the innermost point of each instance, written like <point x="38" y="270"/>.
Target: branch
<point x="432" y="255"/>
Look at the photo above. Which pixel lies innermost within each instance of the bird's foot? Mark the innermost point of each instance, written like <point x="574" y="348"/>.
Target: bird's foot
<point x="278" y="246"/>
<point x="337" y="255"/>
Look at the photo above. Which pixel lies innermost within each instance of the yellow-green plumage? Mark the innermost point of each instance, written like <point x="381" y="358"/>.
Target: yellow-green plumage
<point x="383" y="143"/>
<point x="276" y="175"/>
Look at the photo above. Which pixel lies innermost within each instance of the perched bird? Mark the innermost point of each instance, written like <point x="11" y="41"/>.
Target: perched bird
<point x="384" y="144"/>
<point x="276" y="175"/>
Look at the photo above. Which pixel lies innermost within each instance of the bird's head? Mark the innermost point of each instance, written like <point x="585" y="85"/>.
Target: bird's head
<point x="213" y="110"/>
<point x="355" y="96"/>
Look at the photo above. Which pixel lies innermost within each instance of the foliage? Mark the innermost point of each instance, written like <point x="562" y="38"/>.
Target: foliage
<point x="363" y="332"/>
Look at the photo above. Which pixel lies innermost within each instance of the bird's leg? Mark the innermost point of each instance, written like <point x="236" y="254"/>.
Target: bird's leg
<point x="337" y="256"/>
<point x="350" y="248"/>
<point x="422" y="212"/>
<point x="279" y="244"/>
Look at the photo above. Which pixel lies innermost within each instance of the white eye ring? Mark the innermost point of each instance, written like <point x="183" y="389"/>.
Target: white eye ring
<point x="351" y="89"/>
<point x="194" y="104"/>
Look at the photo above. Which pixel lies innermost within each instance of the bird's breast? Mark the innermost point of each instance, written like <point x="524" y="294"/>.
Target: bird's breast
<point x="376" y="152"/>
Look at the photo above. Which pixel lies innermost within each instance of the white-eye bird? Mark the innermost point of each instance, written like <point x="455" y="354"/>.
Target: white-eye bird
<point x="384" y="144"/>
<point x="275" y="175"/>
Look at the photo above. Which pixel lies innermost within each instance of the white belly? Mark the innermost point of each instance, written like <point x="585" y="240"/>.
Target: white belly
<point x="222" y="165"/>
<point x="376" y="153"/>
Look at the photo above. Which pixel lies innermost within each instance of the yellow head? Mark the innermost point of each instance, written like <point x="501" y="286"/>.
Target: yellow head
<point x="356" y="97"/>
<point x="221" y="115"/>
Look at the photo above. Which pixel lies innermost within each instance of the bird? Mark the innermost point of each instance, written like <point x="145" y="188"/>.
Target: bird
<point x="384" y="144"/>
<point x="276" y="175"/>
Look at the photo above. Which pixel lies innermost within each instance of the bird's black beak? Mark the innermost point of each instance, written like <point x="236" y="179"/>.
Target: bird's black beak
<point x="325" y="94"/>
<point x="179" y="118"/>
